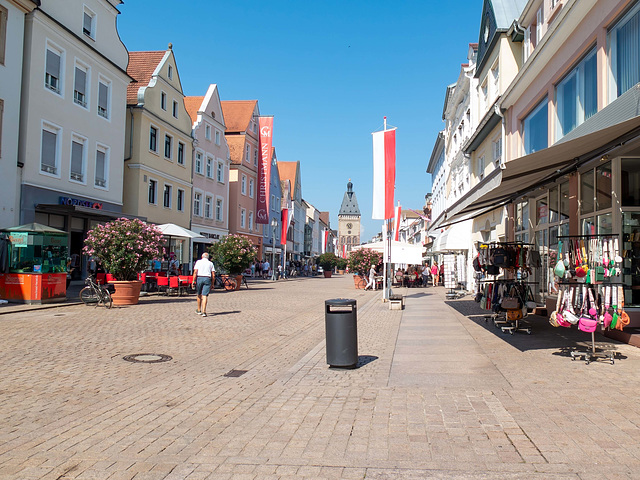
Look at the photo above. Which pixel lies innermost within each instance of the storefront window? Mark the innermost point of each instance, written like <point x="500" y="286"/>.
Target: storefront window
<point x="564" y="201"/>
<point x="603" y="186"/>
<point x="605" y="224"/>
<point x="586" y="192"/>
<point x="630" y="182"/>
<point x="553" y="205"/>
<point x="631" y="258"/>
<point x="542" y="212"/>
<point x="542" y="274"/>
<point x="588" y="226"/>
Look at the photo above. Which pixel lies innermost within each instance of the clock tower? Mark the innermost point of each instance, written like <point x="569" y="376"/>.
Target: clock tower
<point x="348" y="222"/>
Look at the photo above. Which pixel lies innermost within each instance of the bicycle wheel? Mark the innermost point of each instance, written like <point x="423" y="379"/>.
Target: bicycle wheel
<point x="88" y="296"/>
<point x="106" y="300"/>
<point x="230" y="284"/>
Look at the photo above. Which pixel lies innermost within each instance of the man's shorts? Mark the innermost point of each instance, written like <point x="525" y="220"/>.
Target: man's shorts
<point x="203" y="285"/>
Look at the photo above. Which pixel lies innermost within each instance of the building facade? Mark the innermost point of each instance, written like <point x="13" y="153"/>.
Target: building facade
<point x="211" y="160"/>
<point x="273" y="230"/>
<point x="72" y="115"/>
<point x="290" y="172"/>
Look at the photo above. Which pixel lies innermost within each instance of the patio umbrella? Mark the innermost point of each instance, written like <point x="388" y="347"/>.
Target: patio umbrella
<point x="172" y="230"/>
<point x="34" y="228"/>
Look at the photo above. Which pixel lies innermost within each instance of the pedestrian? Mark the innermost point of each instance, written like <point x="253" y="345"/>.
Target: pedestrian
<point x="265" y="269"/>
<point x="425" y="275"/>
<point x="371" y="284"/>
<point x="92" y="265"/>
<point x="434" y="273"/>
<point x="174" y="265"/>
<point x="258" y="268"/>
<point x="441" y="274"/>
<point x="203" y="275"/>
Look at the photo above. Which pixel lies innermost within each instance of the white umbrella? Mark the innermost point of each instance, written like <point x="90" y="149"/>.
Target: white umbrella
<point x="173" y="230"/>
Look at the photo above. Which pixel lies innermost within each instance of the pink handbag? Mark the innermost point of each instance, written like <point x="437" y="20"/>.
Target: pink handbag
<point x="587" y="324"/>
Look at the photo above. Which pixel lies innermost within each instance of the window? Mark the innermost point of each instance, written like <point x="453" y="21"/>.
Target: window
<point x="199" y="163"/>
<point x="250" y="220"/>
<point x="163" y="100"/>
<point x="539" y="24"/>
<point x="243" y="215"/>
<point x="219" y="209"/>
<point x="484" y="97"/>
<point x="102" y="167"/>
<point x="248" y="153"/>
<point x="153" y="191"/>
<point x="251" y="187"/>
<point x="52" y="70"/>
<point x="273" y="202"/>
<point x="497" y="151"/>
<point x="220" y="172"/>
<point x="168" y="146"/>
<point x="166" y="196"/>
<point x="535" y="129"/>
<point x="577" y="95"/>
<point x="209" y="167"/>
<point x="180" y="200"/>
<point x="4" y="14"/>
<point x="170" y="72"/>
<point x="255" y="157"/>
<point x="480" y="168"/>
<point x="175" y="109"/>
<point x="76" y="171"/>
<point x="197" y="200"/>
<point x="80" y="86"/>
<point x="180" y="153"/>
<point x="243" y="185"/>
<point x="495" y="78"/>
<point x="89" y="23"/>
<point x="207" y="132"/>
<point x="217" y="137"/>
<point x="153" y="139"/>
<point x="103" y="99"/>
<point x="50" y="149"/>
<point x="624" y="39"/>
<point x="208" y="201"/>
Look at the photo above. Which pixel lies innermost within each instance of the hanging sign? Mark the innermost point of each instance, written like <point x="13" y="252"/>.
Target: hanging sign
<point x="264" y="169"/>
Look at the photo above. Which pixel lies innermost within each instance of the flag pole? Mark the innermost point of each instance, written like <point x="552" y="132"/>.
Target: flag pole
<point x="387" y="284"/>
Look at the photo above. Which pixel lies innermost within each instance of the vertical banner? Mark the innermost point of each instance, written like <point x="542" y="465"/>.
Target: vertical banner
<point x="396" y="223"/>
<point x="264" y="169"/>
<point x="325" y="240"/>
<point x="285" y="226"/>
<point x="384" y="173"/>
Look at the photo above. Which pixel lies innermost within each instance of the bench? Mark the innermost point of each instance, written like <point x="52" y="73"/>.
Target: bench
<point x="396" y="302"/>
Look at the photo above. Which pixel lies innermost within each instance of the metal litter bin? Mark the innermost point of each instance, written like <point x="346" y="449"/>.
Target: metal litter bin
<point x="341" y="330"/>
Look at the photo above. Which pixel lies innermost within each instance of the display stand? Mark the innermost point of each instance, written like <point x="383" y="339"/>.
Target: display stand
<point x="594" y="353"/>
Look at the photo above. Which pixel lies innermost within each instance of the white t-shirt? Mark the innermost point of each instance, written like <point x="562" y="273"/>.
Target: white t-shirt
<point x="204" y="267"/>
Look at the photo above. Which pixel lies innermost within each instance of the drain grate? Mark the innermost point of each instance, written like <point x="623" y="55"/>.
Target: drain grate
<point x="235" y="373"/>
<point x="147" y="358"/>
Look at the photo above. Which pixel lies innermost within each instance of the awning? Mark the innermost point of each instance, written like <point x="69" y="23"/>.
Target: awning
<point x="457" y="237"/>
<point x="401" y="252"/>
<point x="525" y="174"/>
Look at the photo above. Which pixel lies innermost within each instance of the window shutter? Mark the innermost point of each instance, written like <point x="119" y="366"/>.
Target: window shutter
<point x="100" y="168"/>
<point x="87" y="23"/>
<point x="76" y="158"/>
<point x="103" y="95"/>
<point x="49" y="140"/>
<point x="53" y="64"/>
<point x="81" y="81"/>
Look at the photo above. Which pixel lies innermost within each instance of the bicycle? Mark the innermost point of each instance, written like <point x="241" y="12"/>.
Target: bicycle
<point x="95" y="294"/>
<point x="226" y="283"/>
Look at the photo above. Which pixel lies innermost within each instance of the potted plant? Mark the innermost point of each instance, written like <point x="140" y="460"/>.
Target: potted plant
<point x="124" y="247"/>
<point x="327" y="261"/>
<point x="341" y="265"/>
<point x="233" y="255"/>
<point x="360" y="261"/>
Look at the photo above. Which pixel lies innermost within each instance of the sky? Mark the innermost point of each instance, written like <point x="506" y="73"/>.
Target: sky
<point x="329" y="72"/>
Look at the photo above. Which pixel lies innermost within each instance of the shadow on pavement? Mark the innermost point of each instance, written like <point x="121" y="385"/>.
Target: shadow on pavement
<point x="365" y="359"/>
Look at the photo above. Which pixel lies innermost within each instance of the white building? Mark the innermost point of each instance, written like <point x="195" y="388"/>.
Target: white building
<point x="71" y="142"/>
<point x="12" y="17"/>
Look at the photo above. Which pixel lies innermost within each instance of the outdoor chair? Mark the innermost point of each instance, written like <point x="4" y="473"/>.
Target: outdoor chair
<point x="163" y="283"/>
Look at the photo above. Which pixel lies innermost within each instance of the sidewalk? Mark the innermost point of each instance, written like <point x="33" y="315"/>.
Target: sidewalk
<point x="438" y="393"/>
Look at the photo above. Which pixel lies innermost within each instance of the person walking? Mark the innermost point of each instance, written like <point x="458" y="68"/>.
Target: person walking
<point x="435" y="271"/>
<point x="425" y="275"/>
<point x="203" y="275"/>
<point x="253" y="269"/>
<point x="371" y="284"/>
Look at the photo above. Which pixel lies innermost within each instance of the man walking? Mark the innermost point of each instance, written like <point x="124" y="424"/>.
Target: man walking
<point x="203" y="274"/>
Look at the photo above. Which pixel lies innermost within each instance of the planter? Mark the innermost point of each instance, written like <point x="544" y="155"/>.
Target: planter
<point x="127" y="293"/>
<point x="360" y="282"/>
<point x="238" y="281"/>
<point x="327" y="274"/>
<point x="340" y="272"/>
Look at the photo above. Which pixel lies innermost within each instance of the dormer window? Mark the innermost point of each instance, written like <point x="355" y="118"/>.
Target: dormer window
<point x="170" y="72"/>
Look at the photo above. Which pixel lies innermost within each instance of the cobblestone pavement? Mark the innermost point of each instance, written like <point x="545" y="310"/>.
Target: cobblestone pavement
<point x="439" y="392"/>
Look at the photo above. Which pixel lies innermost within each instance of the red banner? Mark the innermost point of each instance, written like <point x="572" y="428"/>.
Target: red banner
<point x="264" y="169"/>
<point x="285" y="226"/>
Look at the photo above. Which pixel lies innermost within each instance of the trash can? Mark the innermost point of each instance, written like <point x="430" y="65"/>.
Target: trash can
<point x="341" y="331"/>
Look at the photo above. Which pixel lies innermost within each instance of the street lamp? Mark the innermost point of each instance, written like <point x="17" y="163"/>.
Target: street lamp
<point x="274" y="224"/>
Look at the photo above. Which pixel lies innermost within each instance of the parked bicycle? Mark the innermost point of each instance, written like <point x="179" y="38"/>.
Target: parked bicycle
<point x="225" y="282"/>
<point x="94" y="294"/>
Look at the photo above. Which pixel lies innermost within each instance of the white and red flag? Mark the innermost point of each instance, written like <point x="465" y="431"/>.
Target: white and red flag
<point x="264" y="169"/>
<point x="325" y="239"/>
<point x="286" y="221"/>
<point x="384" y="173"/>
<point x="396" y="222"/>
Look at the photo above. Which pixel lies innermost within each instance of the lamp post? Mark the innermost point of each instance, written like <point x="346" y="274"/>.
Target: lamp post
<point x="274" y="224"/>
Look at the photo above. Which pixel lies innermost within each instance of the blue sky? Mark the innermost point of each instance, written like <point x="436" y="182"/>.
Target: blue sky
<point x="329" y="71"/>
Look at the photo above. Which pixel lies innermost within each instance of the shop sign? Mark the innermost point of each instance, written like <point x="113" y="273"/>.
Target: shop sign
<point x="80" y="203"/>
<point x="215" y="236"/>
<point x="18" y="239"/>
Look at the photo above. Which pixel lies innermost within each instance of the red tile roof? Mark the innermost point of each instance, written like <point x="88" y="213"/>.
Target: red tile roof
<point x="141" y="67"/>
<point x="324" y="218"/>
<point x="237" y="114"/>
<point x="236" y="148"/>
<point x="193" y="104"/>
<point x="287" y="171"/>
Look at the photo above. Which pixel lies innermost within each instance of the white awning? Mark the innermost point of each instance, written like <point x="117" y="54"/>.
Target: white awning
<point x="401" y="252"/>
<point x="454" y="238"/>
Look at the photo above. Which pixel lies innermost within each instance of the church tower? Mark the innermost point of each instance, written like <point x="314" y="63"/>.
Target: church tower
<point x="348" y="222"/>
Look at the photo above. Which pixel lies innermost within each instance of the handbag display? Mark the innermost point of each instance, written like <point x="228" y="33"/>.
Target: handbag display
<point x="559" y="269"/>
<point x="587" y="324"/>
<point x="514" y="314"/>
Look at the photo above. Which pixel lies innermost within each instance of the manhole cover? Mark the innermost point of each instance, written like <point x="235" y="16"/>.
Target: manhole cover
<point x="235" y="373"/>
<point x="147" y="358"/>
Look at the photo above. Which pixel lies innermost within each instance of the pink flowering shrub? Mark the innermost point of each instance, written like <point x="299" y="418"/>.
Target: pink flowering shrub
<point x="124" y="247"/>
<point x="233" y="254"/>
<point x="360" y="261"/>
